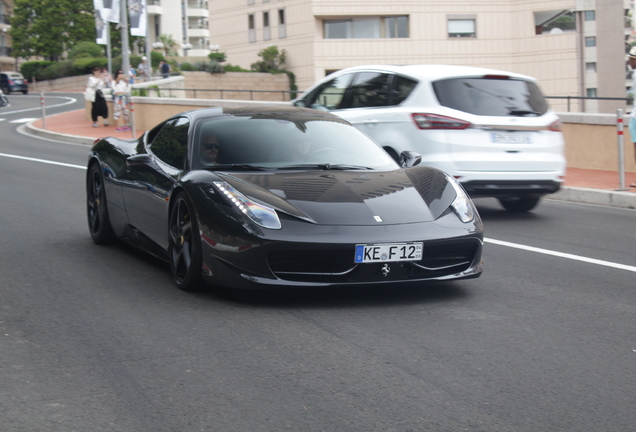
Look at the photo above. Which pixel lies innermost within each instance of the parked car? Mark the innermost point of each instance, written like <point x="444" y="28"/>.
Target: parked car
<point x="280" y="197"/>
<point x="492" y="130"/>
<point x="13" y="82"/>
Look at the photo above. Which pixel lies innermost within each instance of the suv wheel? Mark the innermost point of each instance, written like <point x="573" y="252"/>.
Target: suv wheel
<point x="519" y="204"/>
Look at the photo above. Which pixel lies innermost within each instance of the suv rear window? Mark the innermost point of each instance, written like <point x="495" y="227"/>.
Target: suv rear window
<point x="491" y="97"/>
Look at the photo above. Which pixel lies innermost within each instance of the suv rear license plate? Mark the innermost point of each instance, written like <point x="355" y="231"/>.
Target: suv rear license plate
<point x="388" y="252"/>
<point x="511" y="138"/>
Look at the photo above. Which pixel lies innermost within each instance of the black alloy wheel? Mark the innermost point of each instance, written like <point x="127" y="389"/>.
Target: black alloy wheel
<point x="519" y="204"/>
<point x="184" y="244"/>
<point x="97" y="211"/>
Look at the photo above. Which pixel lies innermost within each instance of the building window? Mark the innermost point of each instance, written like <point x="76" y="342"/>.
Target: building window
<point x="554" y="21"/>
<point x="282" y="29"/>
<point x="590" y="41"/>
<point x="396" y="27"/>
<point x="267" y="35"/>
<point x="590" y="67"/>
<point x="250" y="2"/>
<point x="367" y="28"/>
<point x="591" y="92"/>
<point x="461" y="27"/>
<point x="589" y="15"/>
<point x="251" y="28"/>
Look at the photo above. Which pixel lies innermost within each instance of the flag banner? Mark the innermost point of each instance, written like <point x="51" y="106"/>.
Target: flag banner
<point x="113" y="10"/>
<point x="100" y="23"/>
<point x="138" y="17"/>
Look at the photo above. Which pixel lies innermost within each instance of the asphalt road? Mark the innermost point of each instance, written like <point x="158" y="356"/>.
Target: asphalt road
<point x="98" y="339"/>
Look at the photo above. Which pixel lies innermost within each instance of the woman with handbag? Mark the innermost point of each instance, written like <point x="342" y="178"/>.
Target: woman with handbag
<point x="94" y="93"/>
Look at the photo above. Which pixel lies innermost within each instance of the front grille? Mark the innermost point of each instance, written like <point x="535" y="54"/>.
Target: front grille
<point x="337" y="266"/>
<point x="327" y="262"/>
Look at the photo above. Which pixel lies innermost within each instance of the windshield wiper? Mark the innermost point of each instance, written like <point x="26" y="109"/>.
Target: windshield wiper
<point x="325" y="166"/>
<point x="237" y="167"/>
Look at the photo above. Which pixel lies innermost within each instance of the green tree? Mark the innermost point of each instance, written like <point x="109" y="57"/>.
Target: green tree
<point x="272" y="60"/>
<point x="169" y="45"/>
<point x="47" y="28"/>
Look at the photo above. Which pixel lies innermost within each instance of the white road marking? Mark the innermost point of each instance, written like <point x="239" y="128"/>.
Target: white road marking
<point x="42" y="161"/>
<point x="23" y="120"/>
<point x="562" y="255"/>
<point x="69" y="100"/>
<point x="486" y="240"/>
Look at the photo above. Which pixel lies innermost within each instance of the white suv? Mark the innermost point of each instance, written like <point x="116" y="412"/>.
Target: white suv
<point x="490" y="129"/>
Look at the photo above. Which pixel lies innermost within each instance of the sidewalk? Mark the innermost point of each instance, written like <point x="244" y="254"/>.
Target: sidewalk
<point x="581" y="185"/>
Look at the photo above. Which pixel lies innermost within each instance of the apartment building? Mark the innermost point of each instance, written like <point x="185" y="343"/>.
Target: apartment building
<point x="7" y="63"/>
<point x="187" y="21"/>
<point x="574" y="47"/>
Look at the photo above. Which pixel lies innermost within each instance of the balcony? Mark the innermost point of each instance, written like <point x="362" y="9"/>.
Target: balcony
<point x="198" y="9"/>
<point x="198" y="32"/>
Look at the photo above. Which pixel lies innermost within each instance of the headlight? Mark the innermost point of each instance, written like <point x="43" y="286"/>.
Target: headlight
<point x="462" y="205"/>
<point x="258" y="213"/>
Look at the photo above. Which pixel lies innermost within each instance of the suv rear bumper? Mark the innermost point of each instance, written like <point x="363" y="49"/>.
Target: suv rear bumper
<point x="510" y="188"/>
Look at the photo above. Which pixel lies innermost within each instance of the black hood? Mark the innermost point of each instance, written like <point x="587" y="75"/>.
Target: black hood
<point x="334" y="197"/>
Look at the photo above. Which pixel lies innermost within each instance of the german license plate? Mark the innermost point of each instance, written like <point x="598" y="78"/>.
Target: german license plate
<point x="511" y="138"/>
<point x="388" y="252"/>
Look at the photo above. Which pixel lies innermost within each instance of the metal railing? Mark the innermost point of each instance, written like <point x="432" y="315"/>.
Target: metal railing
<point x="627" y="100"/>
<point x="286" y="95"/>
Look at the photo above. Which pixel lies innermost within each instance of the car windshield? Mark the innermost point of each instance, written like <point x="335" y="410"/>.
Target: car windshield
<point x="301" y="141"/>
<point x="491" y="96"/>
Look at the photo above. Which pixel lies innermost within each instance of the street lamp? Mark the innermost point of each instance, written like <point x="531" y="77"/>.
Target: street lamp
<point x="186" y="46"/>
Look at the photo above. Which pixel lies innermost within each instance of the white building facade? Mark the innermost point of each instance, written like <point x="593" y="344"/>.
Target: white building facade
<point x="187" y="21"/>
<point x="574" y="47"/>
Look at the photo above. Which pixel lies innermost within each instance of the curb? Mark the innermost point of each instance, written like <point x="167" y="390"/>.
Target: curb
<point x="601" y="197"/>
<point x="73" y="139"/>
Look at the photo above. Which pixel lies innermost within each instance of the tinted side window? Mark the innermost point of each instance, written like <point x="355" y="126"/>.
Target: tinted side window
<point x="491" y="97"/>
<point x="401" y="88"/>
<point x="330" y="94"/>
<point x="171" y="143"/>
<point x="369" y="89"/>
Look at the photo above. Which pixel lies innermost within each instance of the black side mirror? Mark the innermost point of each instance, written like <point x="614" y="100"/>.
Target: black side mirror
<point x="140" y="162"/>
<point x="299" y="103"/>
<point x="409" y="159"/>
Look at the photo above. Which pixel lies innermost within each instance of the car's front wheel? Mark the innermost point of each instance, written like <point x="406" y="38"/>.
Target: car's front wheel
<point x="96" y="207"/>
<point x="519" y="204"/>
<point x="184" y="244"/>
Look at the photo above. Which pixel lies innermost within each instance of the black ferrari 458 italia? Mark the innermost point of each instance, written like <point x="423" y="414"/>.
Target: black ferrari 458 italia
<point x="280" y="196"/>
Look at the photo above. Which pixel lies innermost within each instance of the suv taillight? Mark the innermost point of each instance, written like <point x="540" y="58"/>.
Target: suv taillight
<point x="555" y="126"/>
<point x="434" y="121"/>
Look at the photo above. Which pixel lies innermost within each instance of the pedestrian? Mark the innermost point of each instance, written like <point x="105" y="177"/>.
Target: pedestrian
<point x="121" y="95"/>
<point x="108" y="80"/>
<point x="165" y="69"/>
<point x="143" y="69"/>
<point x="632" y="117"/>
<point x="95" y="93"/>
<point x="132" y="74"/>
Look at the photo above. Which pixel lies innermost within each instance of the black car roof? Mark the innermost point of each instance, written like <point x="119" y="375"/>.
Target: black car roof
<point x="281" y="110"/>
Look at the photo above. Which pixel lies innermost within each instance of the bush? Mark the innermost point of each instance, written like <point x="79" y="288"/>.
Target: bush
<point x="85" y="49"/>
<point x="84" y="66"/>
<point x="155" y="59"/>
<point x="232" y="68"/>
<point x="57" y="70"/>
<point x="33" y="68"/>
<point x="185" y="66"/>
<point x="217" y="56"/>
